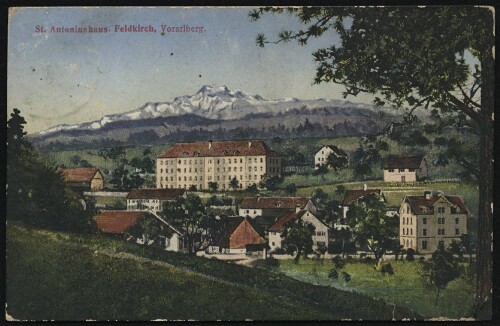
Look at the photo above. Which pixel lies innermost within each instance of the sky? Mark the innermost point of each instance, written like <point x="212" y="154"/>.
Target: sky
<point x="68" y="78"/>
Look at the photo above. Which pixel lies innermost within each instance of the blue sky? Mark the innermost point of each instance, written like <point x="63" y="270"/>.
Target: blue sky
<point x="56" y="78"/>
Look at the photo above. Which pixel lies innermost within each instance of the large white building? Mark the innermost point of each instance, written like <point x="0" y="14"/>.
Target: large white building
<point x="184" y="165"/>
<point x="425" y="221"/>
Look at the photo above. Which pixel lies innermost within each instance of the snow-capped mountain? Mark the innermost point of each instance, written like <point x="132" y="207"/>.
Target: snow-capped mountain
<point x="216" y="103"/>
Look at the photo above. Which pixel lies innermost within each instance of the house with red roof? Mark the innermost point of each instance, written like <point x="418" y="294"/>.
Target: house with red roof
<point x="405" y="168"/>
<point x="433" y="218"/>
<point x="152" y="199"/>
<point x="238" y="235"/>
<point x="184" y="165"/>
<point x="83" y="178"/>
<point x="119" y="222"/>
<point x="319" y="238"/>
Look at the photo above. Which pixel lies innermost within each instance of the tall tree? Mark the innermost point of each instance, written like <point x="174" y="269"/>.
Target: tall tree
<point x="297" y="238"/>
<point x="416" y="57"/>
<point x="370" y="226"/>
<point x="189" y="216"/>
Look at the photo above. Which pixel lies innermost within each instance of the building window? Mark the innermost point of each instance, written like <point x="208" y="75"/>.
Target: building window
<point x="457" y="220"/>
<point x="457" y="231"/>
<point x="424" y="220"/>
<point x="424" y="244"/>
<point x="440" y="209"/>
<point x="439" y="231"/>
<point x="411" y="231"/>
<point x="424" y="232"/>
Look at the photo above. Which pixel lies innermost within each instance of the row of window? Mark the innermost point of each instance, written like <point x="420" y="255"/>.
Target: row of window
<point x="218" y="161"/>
<point x="401" y="170"/>
<point x="424" y="244"/>
<point x="440" y="220"/>
<point x="320" y="233"/>
<point x="409" y="231"/>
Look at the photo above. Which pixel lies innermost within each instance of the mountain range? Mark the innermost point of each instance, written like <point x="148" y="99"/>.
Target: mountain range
<point x="217" y="108"/>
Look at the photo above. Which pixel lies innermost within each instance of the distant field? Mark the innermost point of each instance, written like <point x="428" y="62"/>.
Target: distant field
<point x="405" y="288"/>
<point x="65" y="276"/>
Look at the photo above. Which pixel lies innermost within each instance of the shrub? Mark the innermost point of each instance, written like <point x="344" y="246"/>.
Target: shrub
<point x="410" y="254"/>
<point x="369" y="260"/>
<point x="421" y="258"/>
<point x="387" y="268"/>
<point x="346" y="276"/>
<point x="333" y="274"/>
<point x="339" y="263"/>
<point x="279" y="251"/>
<point x="268" y="263"/>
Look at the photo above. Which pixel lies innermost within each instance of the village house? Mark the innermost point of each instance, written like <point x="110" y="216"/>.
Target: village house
<point x="319" y="238"/>
<point x="273" y="206"/>
<point x="197" y="164"/>
<point x="321" y="157"/>
<point x="239" y="234"/>
<point x="405" y="168"/>
<point x="152" y="199"/>
<point x="118" y="222"/>
<point x="83" y="179"/>
<point x="428" y="220"/>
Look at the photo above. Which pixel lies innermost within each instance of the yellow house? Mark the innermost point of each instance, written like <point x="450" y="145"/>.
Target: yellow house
<point x="425" y="221"/>
<point x="84" y="178"/>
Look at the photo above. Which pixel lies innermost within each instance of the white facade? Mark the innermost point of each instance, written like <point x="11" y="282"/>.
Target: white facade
<point x="405" y="174"/>
<point x="320" y="158"/>
<point x="155" y="205"/>
<point x="423" y="232"/>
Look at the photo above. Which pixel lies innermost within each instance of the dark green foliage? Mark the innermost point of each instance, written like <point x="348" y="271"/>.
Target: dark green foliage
<point x="234" y="183"/>
<point x="269" y="263"/>
<point x="297" y="238"/>
<point x="441" y="269"/>
<point x="333" y="274"/>
<point x="291" y="189"/>
<point x="321" y="170"/>
<point x="189" y="216"/>
<point x="371" y="228"/>
<point x="346" y="276"/>
<point x="410" y="254"/>
<point x="192" y="188"/>
<point x="252" y="188"/>
<point x="339" y="262"/>
<point x="337" y="163"/>
<point x="387" y="269"/>
<point x="149" y="230"/>
<point x="36" y="192"/>
<point x="271" y="182"/>
<point x="213" y="186"/>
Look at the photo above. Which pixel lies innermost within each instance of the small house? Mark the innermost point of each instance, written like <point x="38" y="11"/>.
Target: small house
<point x="321" y="157"/>
<point x="405" y="168"/>
<point x="238" y="235"/>
<point x="83" y="179"/>
<point x="152" y="199"/>
<point x="273" y="206"/>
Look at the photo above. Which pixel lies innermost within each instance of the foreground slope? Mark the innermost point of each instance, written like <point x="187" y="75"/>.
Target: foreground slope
<point x="63" y="276"/>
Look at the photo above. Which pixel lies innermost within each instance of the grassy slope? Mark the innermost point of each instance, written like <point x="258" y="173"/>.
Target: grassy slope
<point x="65" y="276"/>
<point x="405" y="288"/>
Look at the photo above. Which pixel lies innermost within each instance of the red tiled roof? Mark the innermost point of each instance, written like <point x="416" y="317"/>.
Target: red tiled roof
<point x="288" y="216"/>
<point x="417" y="203"/>
<point x="352" y="195"/>
<point x="218" y="148"/>
<point x="117" y="221"/>
<point x="161" y="194"/>
<point x="232" y="223"/>
<point x="403" y="162"/>
<point x="79" y="174"/>
<point x="273" y="202"/>
<point x="337" y="150"/>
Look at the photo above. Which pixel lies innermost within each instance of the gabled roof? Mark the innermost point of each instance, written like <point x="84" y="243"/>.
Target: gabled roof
<point x="117" y="221"/>
<point x="288" y="216"/>
<point x="161" y="194"/>
<point x="229" y="227"/>
<point x="422" y="206"/>
<point x="352" y="195"/>
<point x="336" y="150"/>
<point x="403" y="162"/>
<point x="273" y="202"/>
<point x="218" y="148"/>
<point x="79" y="174"/>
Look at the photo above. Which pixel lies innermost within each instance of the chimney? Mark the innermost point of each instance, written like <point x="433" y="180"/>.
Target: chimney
<point x="249" y="144"/>
<point x="365" y="187"/>
<point x="297" y="208"/>
<point x="427" y="194"/>
<point x="210" y="144"/>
